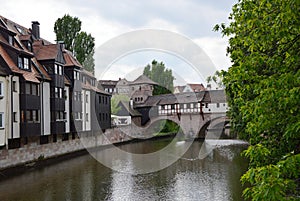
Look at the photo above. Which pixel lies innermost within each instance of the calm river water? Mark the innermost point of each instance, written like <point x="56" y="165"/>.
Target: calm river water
<point x="83" y="178"/>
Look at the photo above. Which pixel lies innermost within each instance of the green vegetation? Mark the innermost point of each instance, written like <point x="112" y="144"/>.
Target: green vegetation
<point x="81" y="44"/>
<point x="160" y="74"/>
<point x="166" y="127"/>
<point x="217" y="78"/>
<point x="115" y="101"/>
<point x="263" y="86"/>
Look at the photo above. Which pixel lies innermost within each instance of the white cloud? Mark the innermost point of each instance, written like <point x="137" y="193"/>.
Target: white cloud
<point x="215" y="48"/>
<point x="106" y="20"/>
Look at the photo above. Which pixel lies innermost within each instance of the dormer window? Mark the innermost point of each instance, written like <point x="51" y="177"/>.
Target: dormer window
<point x="23" y="63"/>
<point x="29" y="46"/>
<point x="10" y="40"/>
<point x="58" y="69"/>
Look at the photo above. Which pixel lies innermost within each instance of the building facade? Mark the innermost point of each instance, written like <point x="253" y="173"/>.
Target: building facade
<point x="44" y="92"/>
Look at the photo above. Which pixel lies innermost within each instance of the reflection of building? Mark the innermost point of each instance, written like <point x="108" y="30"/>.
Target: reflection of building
<point x="45" y="95"/>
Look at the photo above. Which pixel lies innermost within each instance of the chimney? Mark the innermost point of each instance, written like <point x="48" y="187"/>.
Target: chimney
<point x="61" y="44"/>
<point x="131" y="103"/>
<point x="36" y="29"/>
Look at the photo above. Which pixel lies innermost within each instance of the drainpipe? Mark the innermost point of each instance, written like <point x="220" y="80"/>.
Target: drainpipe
<point x="7" y="113"/>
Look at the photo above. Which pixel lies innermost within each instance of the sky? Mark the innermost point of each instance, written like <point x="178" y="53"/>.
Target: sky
<point x="106" y="20"/>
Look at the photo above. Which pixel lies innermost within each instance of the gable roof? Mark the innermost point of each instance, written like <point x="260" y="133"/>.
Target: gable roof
<point x="70" y="59"/>
<point x="143" y="79"/>
<point x="126" y="108"/>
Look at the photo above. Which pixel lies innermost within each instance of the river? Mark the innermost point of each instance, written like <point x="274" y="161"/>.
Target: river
<point x="214" y="178"/>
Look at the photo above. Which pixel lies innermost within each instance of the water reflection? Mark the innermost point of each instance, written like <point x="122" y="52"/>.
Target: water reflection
<point x="214" y="178"/>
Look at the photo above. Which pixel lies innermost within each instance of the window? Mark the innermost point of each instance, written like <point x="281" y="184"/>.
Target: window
<point x="87" y="116"/>
<point x="10" y="40"/>
<point x="60" y="69"/>
<point x="14" y="86"/>
<point x="86" y="98"/>
<point x="29" y="46"/>
<point x="55" y="69"/>
<point x="26" y="63"/>
<point x="60" y="93"/>
<point x="1" y="89"/>
<point x="23" y="63"/>
<point x="20" y="62"/>
<point x="15" y="117"/>
<point x="32" y="116"/>
<point x="56" y="92"/>
<point x="1" y="120"/>
<point x="218" y="104"/>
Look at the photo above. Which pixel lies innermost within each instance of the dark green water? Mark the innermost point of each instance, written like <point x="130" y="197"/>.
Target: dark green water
<point x="83" y="178"/>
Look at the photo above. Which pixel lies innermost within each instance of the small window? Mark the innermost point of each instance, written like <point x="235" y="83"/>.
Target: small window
<point x="86" y="98"/>
<point x="60" y="68"/>
<point x="15" y="117"/>
<point x="56" y="92"/>
<point x="1" y="89"/>
<point x="14" y="86"/>
<point x="10" y="40"/>
<point x="20" y="62"/>
<point x="218" y="104"/>
<point x="87" y="116"/>
<point x="26" y="63"/>
<point x="1" y="120"/>
<point x="60" y="93"/>
<point x="29" y="46"/>
<point x="55" y="69"/>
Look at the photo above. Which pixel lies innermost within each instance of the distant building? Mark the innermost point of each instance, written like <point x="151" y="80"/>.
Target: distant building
<point x="127" y="115"/>
<point x="138" y="90"/>
<point x="108" y="86"/>
<point x="189" y="88"/>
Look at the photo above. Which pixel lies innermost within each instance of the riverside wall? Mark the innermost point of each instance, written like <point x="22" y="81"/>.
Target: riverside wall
<point x="34" y="151"/>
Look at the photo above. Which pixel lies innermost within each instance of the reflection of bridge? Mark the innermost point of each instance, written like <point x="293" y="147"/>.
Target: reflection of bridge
<point x="198" y="114"/>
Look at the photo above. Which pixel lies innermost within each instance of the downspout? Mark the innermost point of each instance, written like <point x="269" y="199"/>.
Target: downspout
<point x="7" y="113"/>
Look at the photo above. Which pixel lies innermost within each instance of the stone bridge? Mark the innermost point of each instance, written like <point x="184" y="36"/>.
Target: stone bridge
<point x="199" y="115"/>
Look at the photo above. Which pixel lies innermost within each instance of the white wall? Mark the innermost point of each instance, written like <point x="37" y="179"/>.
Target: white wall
<point x="16" y="108"/>
<point x="3" y="109"/>
<point x="46" y="109"/>
<point x="86" y="110"/>
<point x="67" y="109"/>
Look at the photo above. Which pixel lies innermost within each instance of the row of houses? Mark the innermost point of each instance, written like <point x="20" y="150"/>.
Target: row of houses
<point x="45" y="93"/>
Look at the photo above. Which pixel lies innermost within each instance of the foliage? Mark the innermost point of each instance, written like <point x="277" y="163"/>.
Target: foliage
<point x="217" y="78"/>
<point x="160" y="74"/>
<point x="115" y="101"/>
<point x="264" y="94"/>
<point x="81" y="44"/>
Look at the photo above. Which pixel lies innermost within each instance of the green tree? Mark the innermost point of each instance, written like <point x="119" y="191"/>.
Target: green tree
<point x="217" y="78"/>
<point x="263" y="86"/>
<point x="115" y="101"/>
<point x="160" y="74"/>
<point x="81" y="44"/>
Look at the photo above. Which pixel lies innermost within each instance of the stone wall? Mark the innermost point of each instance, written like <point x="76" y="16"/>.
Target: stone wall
<point x="33" y="150"/>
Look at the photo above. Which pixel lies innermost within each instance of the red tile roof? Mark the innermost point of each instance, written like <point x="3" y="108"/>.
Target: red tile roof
<point x="70" y="59"/>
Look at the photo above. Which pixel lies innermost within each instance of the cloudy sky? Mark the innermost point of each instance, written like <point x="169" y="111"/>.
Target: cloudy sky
<point x="105" y="20"/>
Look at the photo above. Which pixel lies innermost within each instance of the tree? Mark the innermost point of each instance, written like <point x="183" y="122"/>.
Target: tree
<point x="164" y="77"/>
<point x="115" y="101"/>
<point x="264" y="93"/>
<point x="217" y="78"/>
<point x="81" y="44"/>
